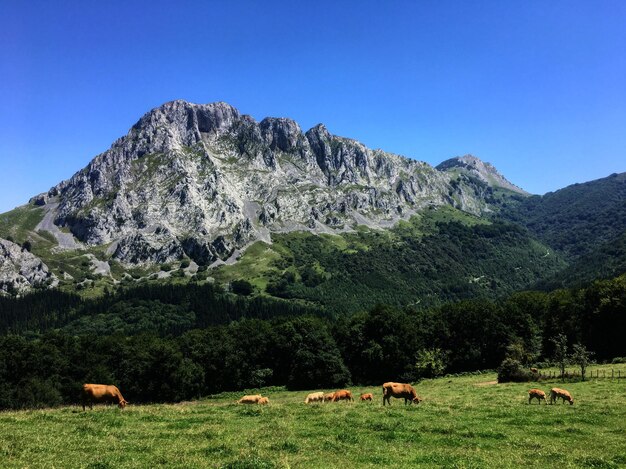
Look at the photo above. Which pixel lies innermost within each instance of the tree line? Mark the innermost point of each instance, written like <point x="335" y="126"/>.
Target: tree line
<point x="192" y="355"/>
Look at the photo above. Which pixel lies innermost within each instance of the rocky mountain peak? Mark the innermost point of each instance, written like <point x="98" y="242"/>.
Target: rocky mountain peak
<point x="474" y="166"/>
<point x="204" y="180"/>
<point x="281" y="133"/>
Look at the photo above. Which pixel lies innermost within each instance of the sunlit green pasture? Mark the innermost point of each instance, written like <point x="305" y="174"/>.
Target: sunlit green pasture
<point x="462" y="422"/>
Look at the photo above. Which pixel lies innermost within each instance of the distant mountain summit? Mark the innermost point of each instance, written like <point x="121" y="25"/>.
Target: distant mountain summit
<point x="486" y="172"/>
<point x="204" y="180"/>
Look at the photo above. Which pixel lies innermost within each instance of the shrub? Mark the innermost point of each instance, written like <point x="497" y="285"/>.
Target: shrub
<point x="512" y="371"/>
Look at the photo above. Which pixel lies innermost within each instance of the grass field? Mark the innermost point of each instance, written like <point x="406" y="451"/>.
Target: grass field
<point x="462" y="422"/>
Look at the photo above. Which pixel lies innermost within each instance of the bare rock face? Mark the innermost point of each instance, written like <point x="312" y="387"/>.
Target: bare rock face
<point x="20" y="270"/>
<point x="204" y="181"/>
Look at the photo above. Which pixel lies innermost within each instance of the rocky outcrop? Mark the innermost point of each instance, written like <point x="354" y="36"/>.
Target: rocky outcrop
<point x="204" y="181"/>
<point x="476" y="168"/>
<point x="20" y="270"/>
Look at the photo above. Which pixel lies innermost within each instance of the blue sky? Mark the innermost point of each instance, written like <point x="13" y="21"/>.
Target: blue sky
<point x="537" y="88"/>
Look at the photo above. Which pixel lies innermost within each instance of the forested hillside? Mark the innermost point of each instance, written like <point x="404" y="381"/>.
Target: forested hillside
<point x="438" y="256"/>
<point x="576" y="220"/>
<point x="604" y="261"/>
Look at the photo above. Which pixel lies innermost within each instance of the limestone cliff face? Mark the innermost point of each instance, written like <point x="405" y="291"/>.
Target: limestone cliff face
<point x="204" y="180"/>
<point x="20" y="270"/>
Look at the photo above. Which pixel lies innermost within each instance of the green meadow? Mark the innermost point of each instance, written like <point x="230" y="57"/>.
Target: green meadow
<point x="463" y="421"/>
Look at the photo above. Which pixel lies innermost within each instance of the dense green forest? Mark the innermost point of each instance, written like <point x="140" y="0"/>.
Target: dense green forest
<point x="577" y="219"/>
<point x="607" y="260"/>
<point x="160" y="308"/>
<point x="187" y="353"/>
<point x="438" y="256"/>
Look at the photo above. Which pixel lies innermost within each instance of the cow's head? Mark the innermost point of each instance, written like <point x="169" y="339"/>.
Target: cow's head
<point x="417" y="400"/>
<point x="122" y="403"/>
<point x="571" y="401"/>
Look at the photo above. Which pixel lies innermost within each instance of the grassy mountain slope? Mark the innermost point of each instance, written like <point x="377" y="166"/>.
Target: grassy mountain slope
<point x="441" y="255"/>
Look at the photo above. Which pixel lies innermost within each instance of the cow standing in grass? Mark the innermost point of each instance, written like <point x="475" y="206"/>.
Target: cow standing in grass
<point x="400" y="391"/>
<point x="342" y="395"/>
<point x="537" y="394"/>
<point x="329" y="396"/>
<point x="367" y="397"/>
<point x="556" y="393"/>
<point x="106" y="393"/>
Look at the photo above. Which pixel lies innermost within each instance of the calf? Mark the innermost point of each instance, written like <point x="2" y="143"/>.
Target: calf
<point x="250" y="399"/>
<point x="314" y="397"/>
<point x="263" y="401"/>
<point x="367" y="397"/>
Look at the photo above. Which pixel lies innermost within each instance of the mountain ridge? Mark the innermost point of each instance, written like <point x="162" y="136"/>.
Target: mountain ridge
<point x="204" y="180"/>
<point x="196" y="185"/>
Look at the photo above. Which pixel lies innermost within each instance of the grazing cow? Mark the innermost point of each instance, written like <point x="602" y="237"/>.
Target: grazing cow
<point x="329" y="396"/>
<point x="367" y="397"/>
<point x="314" y="397"/>
<point x="537" y="394"/>
<point x="250" y="399"/>
<point x="263" y="401"/>
<point x="342" y="395"/>
<point x="555" y="393"/>
<point x="399" y="391"/>
<point x="106" y="393"/>
<point x="534" y="370"/>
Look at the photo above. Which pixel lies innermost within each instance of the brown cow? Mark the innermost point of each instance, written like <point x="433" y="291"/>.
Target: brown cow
<point x="537" y="394"/>
<point x="555" y="393"/>
<point x="106" y="393"/>
<point x="250" y="399"/>
<point x="399" y="391"/>
<point x="534" y="370"/>
<point x="263" y="401"/>
<point x="367" y="397"/>
<point x="342" y="395"/>
<point x="329" y="396"/>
